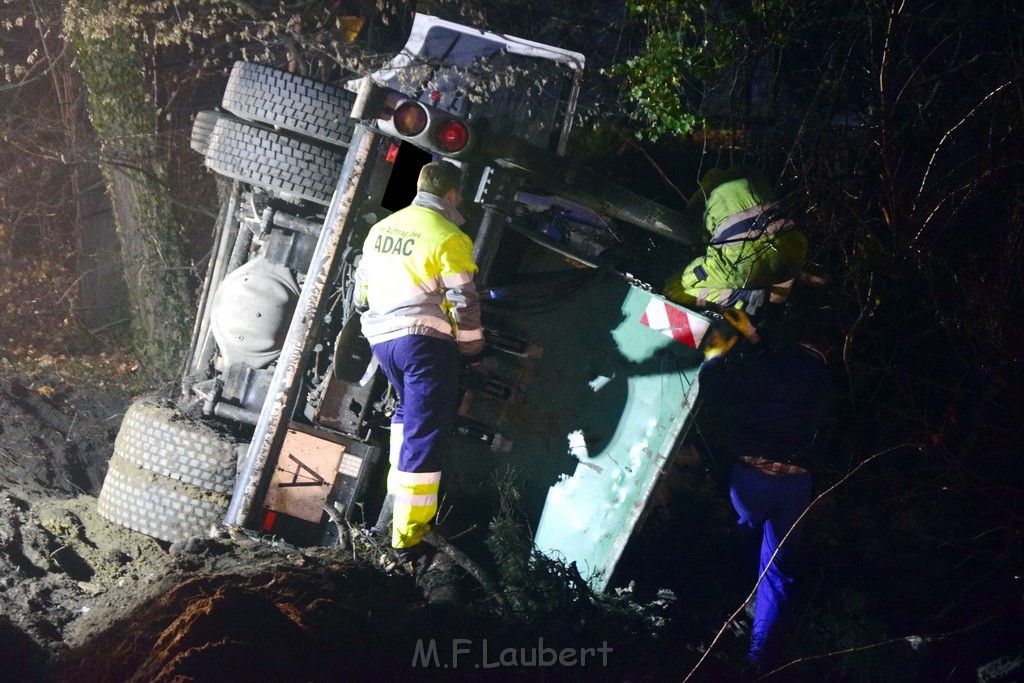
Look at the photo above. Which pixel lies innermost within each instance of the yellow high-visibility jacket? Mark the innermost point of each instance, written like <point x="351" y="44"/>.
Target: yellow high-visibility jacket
<point x="416" y="277"/>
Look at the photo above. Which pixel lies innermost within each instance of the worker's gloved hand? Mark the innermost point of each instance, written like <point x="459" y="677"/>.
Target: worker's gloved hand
<point x="755" y="299"/>
<point x="471" y="348"/>
<point x="741" y="321"/>
<point x="717" y="344"/>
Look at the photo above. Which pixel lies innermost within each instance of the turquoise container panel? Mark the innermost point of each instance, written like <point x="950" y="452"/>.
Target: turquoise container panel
<point x="589" y="516"/>
<point x="620" y="390"/>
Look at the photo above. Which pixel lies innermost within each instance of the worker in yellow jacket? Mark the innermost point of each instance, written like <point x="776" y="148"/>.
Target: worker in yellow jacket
<point x="416" y="279"/>
<point x="753" y="257"/>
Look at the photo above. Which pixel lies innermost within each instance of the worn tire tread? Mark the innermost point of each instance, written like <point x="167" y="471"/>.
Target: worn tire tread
<point x="158" y="438"/>
<point x="158" y="506"/>
<point x="259" y="93"/>
<point x="291" y="169"/>
<point x="202" y="129"/>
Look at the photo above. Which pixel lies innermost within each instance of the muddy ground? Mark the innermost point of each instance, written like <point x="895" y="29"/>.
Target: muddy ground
<point x="84" y="600"/>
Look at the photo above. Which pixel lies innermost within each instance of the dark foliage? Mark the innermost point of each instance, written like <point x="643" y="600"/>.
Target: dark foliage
<point x="893" y="132"/>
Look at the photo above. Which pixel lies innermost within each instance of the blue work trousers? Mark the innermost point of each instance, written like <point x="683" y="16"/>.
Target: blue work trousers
<point x="424" y="372"/>
<point x="767" y="506"/>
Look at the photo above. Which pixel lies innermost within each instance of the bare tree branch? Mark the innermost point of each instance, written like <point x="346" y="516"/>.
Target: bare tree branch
<point x="771" y="560"/>
<point x="913" y="641"/>
<point x="938" y="148"/>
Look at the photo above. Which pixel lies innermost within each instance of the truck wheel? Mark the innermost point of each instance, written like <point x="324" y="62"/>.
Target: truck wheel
<point x="202" y="129"/>
<point x="287" y="168"/>
<point x="285" y="100"/>
<point x="160" y="439"/>
<point x="158" y="506"/>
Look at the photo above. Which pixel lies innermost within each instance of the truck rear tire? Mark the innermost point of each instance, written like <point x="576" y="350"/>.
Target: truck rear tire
<point x="202" y="129"/>
<point x="158" y="506"/>
<point x="287" y="168"/>
<point x="158" y="438"/>
<point x="290" y="102"/>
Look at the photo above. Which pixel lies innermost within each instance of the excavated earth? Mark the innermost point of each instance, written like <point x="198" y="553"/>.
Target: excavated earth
<point x="85" y="600"/>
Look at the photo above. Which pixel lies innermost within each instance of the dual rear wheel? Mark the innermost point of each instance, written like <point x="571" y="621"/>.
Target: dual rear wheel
<point x="172" y="477"/>
<point x="284" y="133"/>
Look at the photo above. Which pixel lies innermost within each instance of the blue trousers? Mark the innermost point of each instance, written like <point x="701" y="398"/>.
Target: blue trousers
<point x="767" y="506"/>
<point x="425" y="374"/>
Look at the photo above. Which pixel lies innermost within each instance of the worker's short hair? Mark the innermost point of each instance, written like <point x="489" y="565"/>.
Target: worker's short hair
<point x="438" y="177"/>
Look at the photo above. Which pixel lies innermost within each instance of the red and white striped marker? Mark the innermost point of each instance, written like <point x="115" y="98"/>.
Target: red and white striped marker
<point x="672" y="321"/>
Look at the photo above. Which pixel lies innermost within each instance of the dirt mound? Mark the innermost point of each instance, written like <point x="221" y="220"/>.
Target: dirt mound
<point x="56" y="435"/>
<point x="85" y="600"/>
<point x="57" y="556"/>
<point x="231" y="611"/>
<point x="236" y="611"/>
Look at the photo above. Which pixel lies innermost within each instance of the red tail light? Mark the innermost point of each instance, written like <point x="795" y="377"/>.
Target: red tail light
<point x="425" y="126"/>
<point x="269" y="517"/>
<point x="452" y="135"/>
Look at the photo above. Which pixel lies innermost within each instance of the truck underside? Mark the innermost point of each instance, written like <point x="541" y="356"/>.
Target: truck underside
<point x="580" y="401"/>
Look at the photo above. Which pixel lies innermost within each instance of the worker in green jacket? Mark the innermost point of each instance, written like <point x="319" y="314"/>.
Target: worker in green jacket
<point x="753" y="255"/>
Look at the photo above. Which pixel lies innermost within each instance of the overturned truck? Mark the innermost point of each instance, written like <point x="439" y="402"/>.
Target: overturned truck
<point x="583" y="395"/>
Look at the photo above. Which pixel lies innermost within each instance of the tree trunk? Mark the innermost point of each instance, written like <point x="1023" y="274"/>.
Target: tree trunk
<point x="102" y="301"/>
<point x="124" y="117"/>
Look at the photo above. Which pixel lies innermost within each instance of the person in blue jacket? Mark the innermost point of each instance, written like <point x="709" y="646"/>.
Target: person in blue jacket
<point x="776" y="398"/>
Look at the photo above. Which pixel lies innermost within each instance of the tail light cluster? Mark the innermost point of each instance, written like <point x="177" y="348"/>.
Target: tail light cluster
<point x="428" y="127"/>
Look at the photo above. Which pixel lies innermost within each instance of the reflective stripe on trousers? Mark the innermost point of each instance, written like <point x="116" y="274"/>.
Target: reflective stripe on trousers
<point x="415" y="496"/>
<point x="424" y="372"/>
